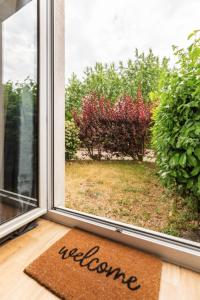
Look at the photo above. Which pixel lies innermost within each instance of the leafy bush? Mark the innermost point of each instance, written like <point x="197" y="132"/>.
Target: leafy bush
<point x="112" y="81"/>
<point x="118" y="129"/>
<point x="176" y="133"/>
<point x="71" y="139"/>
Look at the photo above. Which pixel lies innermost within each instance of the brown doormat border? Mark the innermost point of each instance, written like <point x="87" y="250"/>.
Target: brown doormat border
<point x="84" y="266"/>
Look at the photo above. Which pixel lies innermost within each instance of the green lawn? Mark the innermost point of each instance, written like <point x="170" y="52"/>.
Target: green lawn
<point x="129" y="192"/>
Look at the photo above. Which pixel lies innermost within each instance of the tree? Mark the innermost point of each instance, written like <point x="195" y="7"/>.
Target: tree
<point x="114" y="81"/>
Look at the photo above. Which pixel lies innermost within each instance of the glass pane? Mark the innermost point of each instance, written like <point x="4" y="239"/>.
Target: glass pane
<point x="18" y="108"/>
<point x="132" y="112"/>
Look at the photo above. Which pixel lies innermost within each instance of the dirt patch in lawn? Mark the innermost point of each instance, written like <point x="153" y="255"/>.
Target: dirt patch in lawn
<point x="126" y="191"/>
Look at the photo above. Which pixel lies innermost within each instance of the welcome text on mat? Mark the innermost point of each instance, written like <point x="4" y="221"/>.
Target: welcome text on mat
<point x="84" y="260"/>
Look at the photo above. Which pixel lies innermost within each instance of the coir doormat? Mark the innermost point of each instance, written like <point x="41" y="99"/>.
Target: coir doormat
<point x="84" y="266"/>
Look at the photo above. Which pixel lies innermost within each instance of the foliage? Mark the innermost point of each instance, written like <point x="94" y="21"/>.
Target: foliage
<point x="145" y="70"/>
<point x="176" y="133"/>
<point x="112" y="81"/>
<point x="74" y="93"/>
<point x="117" y="129"/>
<point x="71" y="139"/>
<point x="21" y="132"/>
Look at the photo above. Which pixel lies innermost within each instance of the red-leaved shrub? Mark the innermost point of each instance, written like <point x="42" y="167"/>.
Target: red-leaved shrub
<point x="120" y="129"/>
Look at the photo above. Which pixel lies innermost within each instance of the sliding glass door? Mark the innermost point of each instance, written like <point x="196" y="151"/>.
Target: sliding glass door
<point x="18" y="108"/>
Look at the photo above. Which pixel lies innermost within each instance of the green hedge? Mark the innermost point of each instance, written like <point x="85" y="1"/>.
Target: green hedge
<point x="176" y="133"/>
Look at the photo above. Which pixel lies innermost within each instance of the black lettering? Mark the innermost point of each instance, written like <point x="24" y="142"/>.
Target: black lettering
<point x="117" y="275"/>
<point x="103" y="267"/>
<point x="72" y="252"/>
<point x="132" y="279"/>
<point x="78" y="255"/>
<point x="63" y="251"/>
<point x="89" y="264"/>
<point x="88" y="254"/>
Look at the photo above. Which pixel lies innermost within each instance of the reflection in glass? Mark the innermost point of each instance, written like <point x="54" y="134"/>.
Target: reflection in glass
<point x="18" y="108"/>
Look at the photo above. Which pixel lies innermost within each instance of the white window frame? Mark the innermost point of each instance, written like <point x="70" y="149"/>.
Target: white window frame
<point x="175" y="250"/>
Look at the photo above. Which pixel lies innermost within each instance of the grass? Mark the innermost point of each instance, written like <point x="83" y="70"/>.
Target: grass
<point x="126" y="191"/>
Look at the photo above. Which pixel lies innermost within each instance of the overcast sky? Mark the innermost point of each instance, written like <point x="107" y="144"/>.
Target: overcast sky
<point x="110" y="30"/>
<point x="20" y="44"/>
<point x="103" y="31"/>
